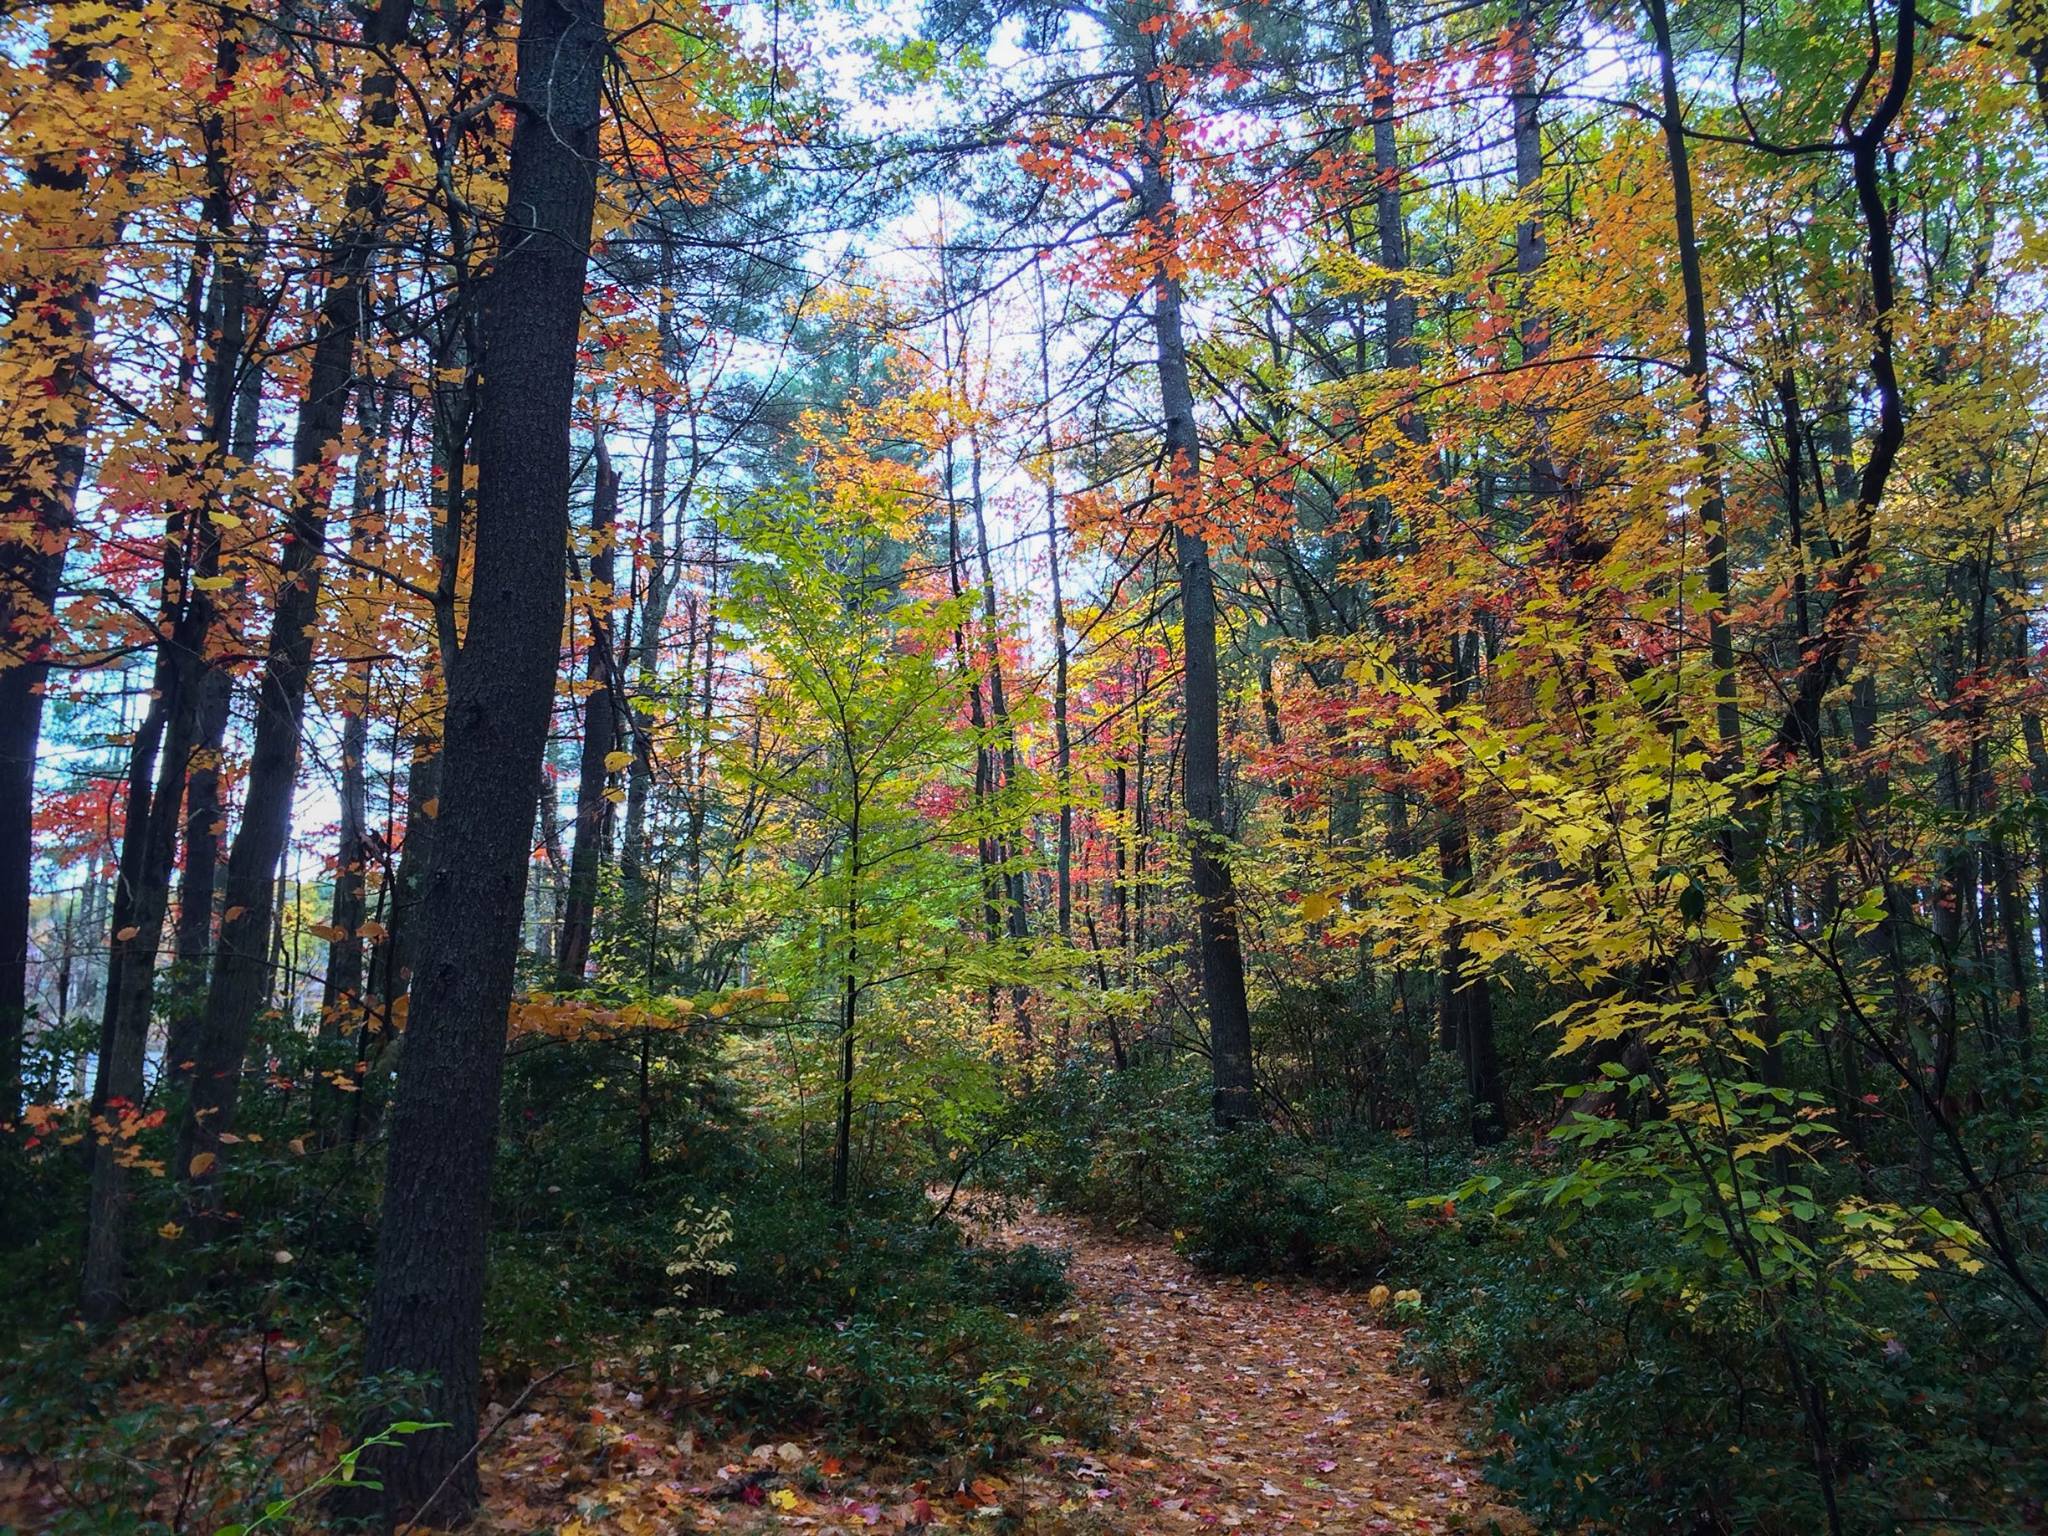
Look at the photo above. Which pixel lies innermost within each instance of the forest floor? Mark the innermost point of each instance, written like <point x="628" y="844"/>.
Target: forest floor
<point x="1241" y="1405"/>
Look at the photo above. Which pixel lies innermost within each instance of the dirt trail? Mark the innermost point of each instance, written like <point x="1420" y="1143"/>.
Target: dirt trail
<point x="1261" y="1406"/>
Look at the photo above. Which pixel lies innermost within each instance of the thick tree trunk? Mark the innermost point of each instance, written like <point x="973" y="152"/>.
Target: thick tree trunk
<point x="600" y="740"/>
<point x="426" y="1314"/>
<point x="203" y="826"/>
<point x="987" y="853"/>
<point x="148" y="854"/>
<point x="1464" y="1003"/>
<point x="1016" y="920"/>
<point x="849" y="1012"/>
<point x="341" y="991"/>
<point x="118" y="1079"/>
<point x="646" y="653"/>
<point x="1698" y="374"/>
<point x="234" y="405"/>
<point x="393" y="957"/>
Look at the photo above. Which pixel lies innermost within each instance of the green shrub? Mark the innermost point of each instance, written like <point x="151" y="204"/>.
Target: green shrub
<point x="966" y="1382"/>
<point x="1026" y="1279"/>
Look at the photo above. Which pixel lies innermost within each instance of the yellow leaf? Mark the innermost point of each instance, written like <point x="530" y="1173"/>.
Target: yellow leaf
<point x="171" y="1231"/>
<point x="1316" y="906"/>
<point x="201" y="1164"/>
<point x="614" y="761"/>
<point x="784" y="1498"/>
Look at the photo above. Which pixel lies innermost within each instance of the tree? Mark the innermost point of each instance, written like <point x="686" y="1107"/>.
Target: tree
<point x="859" y="691"/>
<point x="594" y="792"/>
<point x="427" y="1310"/>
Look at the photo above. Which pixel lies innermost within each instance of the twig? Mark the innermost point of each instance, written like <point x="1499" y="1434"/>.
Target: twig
<point x="483" y="1440"/>
<point x="199" y="1456"/>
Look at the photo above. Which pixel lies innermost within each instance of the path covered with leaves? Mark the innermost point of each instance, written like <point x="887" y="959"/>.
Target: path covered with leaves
<point x="1258" y="1406"/>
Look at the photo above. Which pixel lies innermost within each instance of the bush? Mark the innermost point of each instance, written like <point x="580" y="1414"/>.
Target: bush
<point x="1137" y="1149"/>
<point x="969" y="1381"/>
<point x="1027" y="1279"/>
<point x="1648" y="1409"/>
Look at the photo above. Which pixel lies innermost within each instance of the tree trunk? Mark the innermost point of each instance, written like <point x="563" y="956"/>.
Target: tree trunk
<point x="1223" y="988"/>
<point x="1464" y="1003"/>
<point x="646" y="649"/>
<point x="1016" y="921"/>
<point x="842" y="1131"/>
<point x="426" y="1315"/>
<point x="341" y="990"/>
<point x="1062" y="740"/>
<point x="600" y="739"/>
<point x="42" y="459"/>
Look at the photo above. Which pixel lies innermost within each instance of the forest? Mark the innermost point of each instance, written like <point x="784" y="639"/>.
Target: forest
<point x="1023" y="766"/>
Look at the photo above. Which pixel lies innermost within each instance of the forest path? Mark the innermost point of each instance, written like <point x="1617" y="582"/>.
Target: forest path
<point x="1259" y="1405"/>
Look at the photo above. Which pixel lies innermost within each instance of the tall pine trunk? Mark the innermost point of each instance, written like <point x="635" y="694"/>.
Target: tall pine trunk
<point x="1061" y="734"/>
<point x="1464" y="1003"/>
<point x="426" y="1315"/>
<point x="646" y="646"/>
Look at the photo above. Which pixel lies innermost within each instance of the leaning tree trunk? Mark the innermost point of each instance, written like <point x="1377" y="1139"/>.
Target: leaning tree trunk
<point x="426" y="1315"/>
<point x="1223" y="989"/>
<point x="241" y="971"/>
